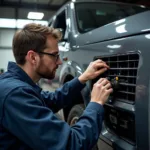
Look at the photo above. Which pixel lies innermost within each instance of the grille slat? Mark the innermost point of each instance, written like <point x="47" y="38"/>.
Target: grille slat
<point x="123" y="61"/>
<point x="127" y="84"/>
<point x="121" y="76"/>
<point x="123" y="66"/>
<point x="126" y="92"/>
<point x="123" y="69"/>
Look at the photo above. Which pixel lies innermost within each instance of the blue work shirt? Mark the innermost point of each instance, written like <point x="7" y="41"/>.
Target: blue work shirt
<point x="27" y="119"/>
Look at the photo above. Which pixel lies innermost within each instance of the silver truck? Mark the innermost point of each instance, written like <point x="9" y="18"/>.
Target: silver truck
<point x="119" y="34"/>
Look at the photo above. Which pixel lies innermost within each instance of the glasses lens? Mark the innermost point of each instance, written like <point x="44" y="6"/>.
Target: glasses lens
<point x="57" y="57"/>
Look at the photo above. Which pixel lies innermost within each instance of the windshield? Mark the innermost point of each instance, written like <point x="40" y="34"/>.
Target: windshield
<point x="93" y="15"/>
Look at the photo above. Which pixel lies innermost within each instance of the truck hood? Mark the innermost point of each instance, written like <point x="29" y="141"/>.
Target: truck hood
<point x="136" y="24"/>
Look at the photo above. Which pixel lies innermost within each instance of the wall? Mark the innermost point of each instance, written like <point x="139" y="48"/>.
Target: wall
<point x="6" y="55"/>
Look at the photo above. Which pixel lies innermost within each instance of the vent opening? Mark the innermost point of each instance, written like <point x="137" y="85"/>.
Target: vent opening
<point x="125" y="68"/>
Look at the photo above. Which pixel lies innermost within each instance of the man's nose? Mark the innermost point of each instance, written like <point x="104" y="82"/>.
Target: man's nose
<point x="59" y="62"/>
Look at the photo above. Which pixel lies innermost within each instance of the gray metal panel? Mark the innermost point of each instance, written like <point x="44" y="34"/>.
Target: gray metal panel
<point x="136" y="24"/>
<point x="140" y="44"/>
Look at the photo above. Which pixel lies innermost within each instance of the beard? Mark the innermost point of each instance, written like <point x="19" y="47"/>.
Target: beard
<point x="45" y="71"/>
<point x="46" y="75"/>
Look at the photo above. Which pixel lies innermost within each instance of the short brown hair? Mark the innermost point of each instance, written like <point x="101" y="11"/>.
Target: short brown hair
<point x="32" y="37"/>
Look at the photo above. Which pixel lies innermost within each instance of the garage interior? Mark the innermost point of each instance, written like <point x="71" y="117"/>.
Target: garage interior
<point x="14" y="15"/>
<point x="17" y="10"/>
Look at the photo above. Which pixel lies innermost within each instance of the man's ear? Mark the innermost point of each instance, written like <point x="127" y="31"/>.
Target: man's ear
<point x="31" y="57"/>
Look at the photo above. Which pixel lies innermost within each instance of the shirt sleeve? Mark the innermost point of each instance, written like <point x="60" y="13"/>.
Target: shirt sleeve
<point x="63" y="96"/>
<point x="26" y="118"/>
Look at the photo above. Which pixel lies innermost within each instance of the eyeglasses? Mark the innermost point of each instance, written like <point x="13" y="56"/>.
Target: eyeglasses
<point x="56" y="56"/>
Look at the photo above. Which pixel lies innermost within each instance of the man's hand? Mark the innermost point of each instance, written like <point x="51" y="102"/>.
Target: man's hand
<point x="101" y="91"/>
<point x="93" y="70"/>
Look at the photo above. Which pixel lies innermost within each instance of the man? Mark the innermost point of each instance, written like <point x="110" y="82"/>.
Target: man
<point x="26" y="112"/>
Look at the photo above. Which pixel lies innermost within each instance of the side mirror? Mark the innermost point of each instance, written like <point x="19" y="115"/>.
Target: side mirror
<point x="63" y="34"/>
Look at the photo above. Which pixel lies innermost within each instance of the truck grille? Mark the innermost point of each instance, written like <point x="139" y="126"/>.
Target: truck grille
<point x="125" y="68"/>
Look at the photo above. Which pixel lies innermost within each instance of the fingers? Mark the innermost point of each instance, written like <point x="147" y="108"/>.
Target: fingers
<point x="110" y="90"/>
<point x="100" y="80"/>
<point x="93" y="70"/>
<point x="99" y="67"/>
<point x="101" y="71"/>
<point x="108" y="86"/>
<point x="103" y="81"/>
<point x="101" y="91"/>
<point x="100" y="64"/>
<point x="105" y="84"/>
<point x="99" y="61"/>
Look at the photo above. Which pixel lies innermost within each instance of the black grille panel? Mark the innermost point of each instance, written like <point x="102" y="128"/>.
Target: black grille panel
<point x="120" y="123"/>
<point x="125" y="68"/>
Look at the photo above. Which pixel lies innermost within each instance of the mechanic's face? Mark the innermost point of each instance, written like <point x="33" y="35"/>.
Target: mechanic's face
<point x="49" y="60"/>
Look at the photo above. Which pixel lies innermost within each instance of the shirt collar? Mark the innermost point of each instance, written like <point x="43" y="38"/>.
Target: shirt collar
<point x="21" y="74"/>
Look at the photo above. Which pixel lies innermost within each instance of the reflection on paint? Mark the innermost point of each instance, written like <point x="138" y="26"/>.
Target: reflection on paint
<point x="121" y="29"/>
